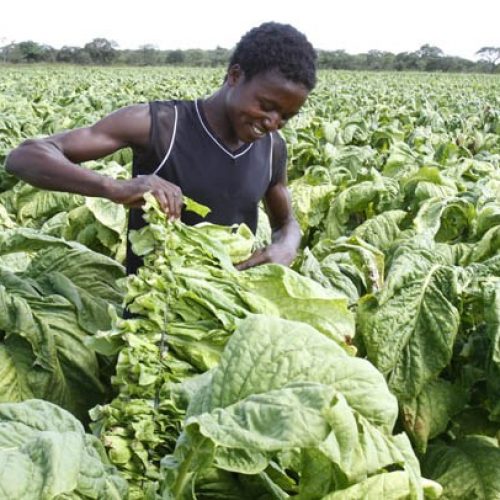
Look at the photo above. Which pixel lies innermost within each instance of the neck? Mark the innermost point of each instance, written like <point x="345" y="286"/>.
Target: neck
<point x="218" y="119"/>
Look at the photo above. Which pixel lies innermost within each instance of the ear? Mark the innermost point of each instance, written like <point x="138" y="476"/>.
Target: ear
<point x="235" y="75"/>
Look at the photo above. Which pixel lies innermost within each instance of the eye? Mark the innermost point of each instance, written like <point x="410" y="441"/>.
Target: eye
<point x="267" y="106"/>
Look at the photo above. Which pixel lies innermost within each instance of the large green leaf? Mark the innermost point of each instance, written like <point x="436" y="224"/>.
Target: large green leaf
<point x="317" y="397"/>
<point x="492" y="318"/>
<point x="301" y="299"/>
<point x="47" y="314"/>
<point x="466" y="468"/>
<point x="445" y="219"/>
<point x="328" y="274"/>
<point x="295" y="351"/>
<point x="428" y="415"/>
<point x="45" y="454"/>
<point x="409" y="329"/>
<point x="381" y="230"/>
<point x="388" y="485"/>
<point x="45" y="353"/>
<point x="350" y="203"/>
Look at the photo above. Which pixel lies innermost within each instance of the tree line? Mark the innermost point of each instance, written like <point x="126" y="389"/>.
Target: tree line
<point x="102" y="51"/>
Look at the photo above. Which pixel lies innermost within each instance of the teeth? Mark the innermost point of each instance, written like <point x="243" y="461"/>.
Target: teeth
<point x="258" y="131"/>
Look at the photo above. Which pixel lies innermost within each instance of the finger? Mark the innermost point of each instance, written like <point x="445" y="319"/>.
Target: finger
<point x="256" y="259"/>
<point x="162" y="200"/>
<point x="172" y="210"/>
<point x="171" y="193"/>
<point x="177" y="194"/>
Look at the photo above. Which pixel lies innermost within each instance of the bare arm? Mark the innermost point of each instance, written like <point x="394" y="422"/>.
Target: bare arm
<point x="52" y="162"/>
<point x="285" y="230"/>
<point x="285" y="238"/>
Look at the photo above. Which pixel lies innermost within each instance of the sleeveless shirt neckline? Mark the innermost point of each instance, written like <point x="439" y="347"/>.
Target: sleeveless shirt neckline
<point x="210" y="132"/>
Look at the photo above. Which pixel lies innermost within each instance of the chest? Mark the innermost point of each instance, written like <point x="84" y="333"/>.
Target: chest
<point x="206" y="172"/>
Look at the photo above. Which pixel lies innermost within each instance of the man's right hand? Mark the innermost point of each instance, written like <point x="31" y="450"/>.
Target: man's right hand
<point x="130" y="193"/>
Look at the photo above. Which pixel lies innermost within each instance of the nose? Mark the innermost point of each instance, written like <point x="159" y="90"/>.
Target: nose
<point x="273" y="121"/>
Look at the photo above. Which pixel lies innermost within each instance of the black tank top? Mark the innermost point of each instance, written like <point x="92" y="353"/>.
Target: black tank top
<point x="184" y="150"/>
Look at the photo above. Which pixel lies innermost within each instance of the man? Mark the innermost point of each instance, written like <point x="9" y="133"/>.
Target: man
<point x="223" y="151"/>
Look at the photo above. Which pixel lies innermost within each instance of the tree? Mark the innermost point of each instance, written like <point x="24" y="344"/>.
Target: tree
<point x="49" y="54"/>
<point x="30" y="51"/>
<point x="430" y="58"/>
<point x="101" y="50"/>
<point x="149" y="54"/>
<point x="175" y="57"/>
<point x="219" y="56"/>
<point x="406" y="61"/>
<point x="336" y="59"/>
<point x="195" y="57"/>
<point x="7" y="50"/>
<point x="429" y="51"/>
<point x="490" y="54"/>
<point x="74" y="55"/>
<point x="377" y="59"/>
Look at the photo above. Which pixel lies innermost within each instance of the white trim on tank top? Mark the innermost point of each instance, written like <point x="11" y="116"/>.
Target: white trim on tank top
<point x="174" y="132"/>
<point x="271" y="159"/>
<point x="234" y="157"/>
<point x="171" y="143"/>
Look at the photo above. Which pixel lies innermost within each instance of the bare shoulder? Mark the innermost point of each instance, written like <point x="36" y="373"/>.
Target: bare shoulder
<point x="126" y="127"/>
<point x="130" y="125"/>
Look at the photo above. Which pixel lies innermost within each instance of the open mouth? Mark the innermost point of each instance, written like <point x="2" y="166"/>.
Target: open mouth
<point x="259" y="132"/>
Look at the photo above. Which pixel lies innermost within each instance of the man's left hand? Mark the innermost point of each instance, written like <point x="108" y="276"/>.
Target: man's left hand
<point x="275" y="253"/>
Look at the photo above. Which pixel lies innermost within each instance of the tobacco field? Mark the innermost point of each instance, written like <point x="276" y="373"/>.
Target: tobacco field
<point x="369" y="369"/>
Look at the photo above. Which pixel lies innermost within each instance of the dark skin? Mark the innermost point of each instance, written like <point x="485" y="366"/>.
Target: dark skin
<point x="241" y="111"/>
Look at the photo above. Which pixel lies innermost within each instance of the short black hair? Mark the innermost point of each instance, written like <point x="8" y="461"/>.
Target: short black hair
<point x="275" y="46"/>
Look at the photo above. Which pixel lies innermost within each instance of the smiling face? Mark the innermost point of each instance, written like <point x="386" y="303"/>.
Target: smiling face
<point x="261" y="105"/>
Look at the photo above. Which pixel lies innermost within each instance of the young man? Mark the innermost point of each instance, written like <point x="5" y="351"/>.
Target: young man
<point x="223" y="151"/>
